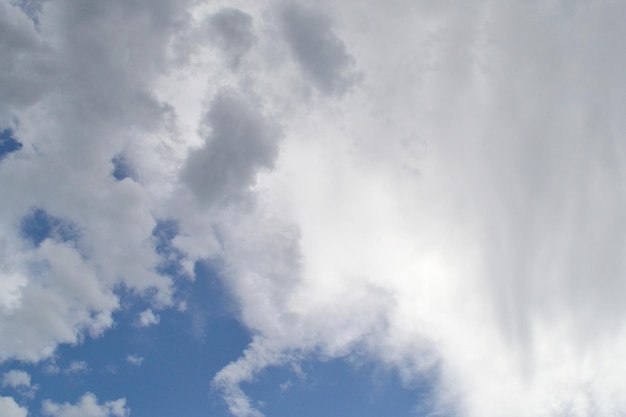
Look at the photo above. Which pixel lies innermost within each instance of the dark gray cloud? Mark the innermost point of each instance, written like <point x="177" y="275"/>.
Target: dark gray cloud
<point x="321" y="54"/>
<point x="232" y="30"/>
<point x="241" y="142"/>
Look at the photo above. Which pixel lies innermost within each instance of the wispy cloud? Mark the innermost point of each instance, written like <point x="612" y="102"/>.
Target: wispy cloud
<point x="77" y="367"/>
<point x="135" y="360"/>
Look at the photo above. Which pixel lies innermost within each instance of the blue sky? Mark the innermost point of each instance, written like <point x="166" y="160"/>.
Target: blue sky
<point x="275" y="208"/>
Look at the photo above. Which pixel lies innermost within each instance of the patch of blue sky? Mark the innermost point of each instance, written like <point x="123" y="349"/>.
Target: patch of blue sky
<point x="171" y="257"/>
<point x="172" y="377"/>
<point x="122" y="168"/>
<point x="38" y="225"/>
<point x="8" y="144"/>
<point x="338" y="388"/>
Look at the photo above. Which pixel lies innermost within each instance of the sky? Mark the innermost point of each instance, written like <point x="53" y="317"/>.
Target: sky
<point x="237" y="208"/>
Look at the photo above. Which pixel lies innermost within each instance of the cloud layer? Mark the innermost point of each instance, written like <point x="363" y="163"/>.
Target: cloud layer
<point x="436" y="186"/>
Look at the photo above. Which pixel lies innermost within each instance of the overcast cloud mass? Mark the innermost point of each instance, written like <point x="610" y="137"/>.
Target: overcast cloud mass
<point x="436" y="187"/>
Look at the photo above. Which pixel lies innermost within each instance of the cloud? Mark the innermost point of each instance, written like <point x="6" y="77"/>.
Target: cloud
<point x="320" y="53"/>
<point x="16" y="378"/>
<point x="256" y="358"/>
<point x="32" y="8"/>
<point x="75" y="100"/>
<point x="19" y="381"/>
<point x="232" y="30"/>
<point x="241" y="142"/>
<point x="51" y="368"/>
<point x="78" y="300"/>
<point x="134" y="360"/>
<point x="459" y="213"/>
<point x="21" y="82"/>
<point x="491" y="258"/>
<point x="77" y="367"/>
<point x="148" y="318"/>
<point x="11" y="409"/>
<point x="87" y="406"/>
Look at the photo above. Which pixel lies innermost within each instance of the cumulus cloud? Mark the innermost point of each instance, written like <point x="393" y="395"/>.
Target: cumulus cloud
<point x="76" y="94"/>
<point x="460" y="213"/>
<point x="20" y="382"/>
<point x="11" y="409"/>
<point x="241" y="142"/>
<point x="232" y="30"/>
<point x="16" y="378"/>
<point x="320" y="53"/>
<point x="148" y="318"/>
<point x="87" y="406"/>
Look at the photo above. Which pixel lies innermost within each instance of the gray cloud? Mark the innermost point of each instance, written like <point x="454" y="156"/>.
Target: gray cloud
<point x="321" y="54"/>
<point x="232" y="30"/>
<point x="26" y="62"/>
<point x="241" y="141"/>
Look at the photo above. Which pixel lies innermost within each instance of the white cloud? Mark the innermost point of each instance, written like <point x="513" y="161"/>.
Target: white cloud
<point x="488" y="252"/>
<point x="458" y="210"/>
<point x="134" y="360"/>
<point x="75" y="101"/>
<point x="148" y="318"/>
<point x="10" y="408"/>
<point x="87" y="406"/>
<point x="16" y="378"/>
<point x="77" y="367"/>
<point x="20" y="382"/>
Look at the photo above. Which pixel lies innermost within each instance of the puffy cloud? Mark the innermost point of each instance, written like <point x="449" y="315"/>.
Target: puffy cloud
<point x="241" y="142"/>
<point x="460" y="212"/>
<point x="22" y="79"/>
<point x="11" y="409"/>
<point x="148" y="318"/>
<point x="87" y="406"/>
<point x="321" y="54"/>
<point x="48" y="314"/>
<point x="16" y="378"/>
<point x="232" y="30"/>
<point x="77" y="94"/>
<point x="20" y="382"/>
